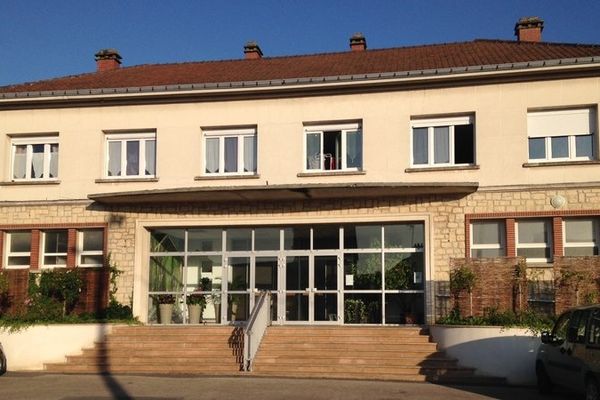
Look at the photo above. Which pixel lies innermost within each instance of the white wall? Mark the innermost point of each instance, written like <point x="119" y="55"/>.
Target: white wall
<point x="29" y="349"/>
<point x="494" y="351"/>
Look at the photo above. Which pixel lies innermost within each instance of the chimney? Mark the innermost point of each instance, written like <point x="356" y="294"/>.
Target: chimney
<point x="107" y="60"/>
<point x="358" y="42"/>
<point x="252" y="51"/>
<point x="529" y="29"/>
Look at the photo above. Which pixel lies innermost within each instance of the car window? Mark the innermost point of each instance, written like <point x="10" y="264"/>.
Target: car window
<point x="560" y="328"/>
<point x="594" y="332"/>
<point x="578" y="323"/>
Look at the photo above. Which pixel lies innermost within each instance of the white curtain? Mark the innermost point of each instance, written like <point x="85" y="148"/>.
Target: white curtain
<point x="231" y="154"/>
<point x="250" y="153"/>
<point x="37" y="161"/>
<point x="441" y="144"/>
<point x="19" y="162"/>
<point x="212" y="155"/>
<point x="313" y="151"/>
<point x="114" y="158"/>
<point x="354" y="149"/>
<point x="420" y="146"/>
<point x="133" y="157"/>
<point x="150" y="157"/>
<point x="54" y="161"/>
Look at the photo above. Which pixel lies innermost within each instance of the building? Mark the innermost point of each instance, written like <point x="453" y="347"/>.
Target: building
<point x="347" y="184"/>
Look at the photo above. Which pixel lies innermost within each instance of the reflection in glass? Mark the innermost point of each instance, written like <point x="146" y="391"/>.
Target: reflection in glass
<point x="404" y="308"/>
<point x="325" y="272"/>
<point x="239" y="239"/>
<point x="404" y="236"/>
<point x="203" y="273"/>
<point x="205" y="240"/>
<point x="266" y="273"/>
<point x="296" y="238"/>
<point x="404" y="271"/>
<point x="362" y="308"/>
<point x="326" y="307"/>
<point x="362" y="236"/>
<point x="266" y="239"/>
<point x="238" y="307"/>
<point x="239" y="273"/>
<point x="296" y="273"/>
<point x="362" y="271"/>
<point x="326" y="237"/>
<point x="296" y="307"/>
<point x="167" y="240"/>
<point x="166" y="273"/>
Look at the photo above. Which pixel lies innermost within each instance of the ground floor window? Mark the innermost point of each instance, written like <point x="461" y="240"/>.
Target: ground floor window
<point x="322" y="274"/>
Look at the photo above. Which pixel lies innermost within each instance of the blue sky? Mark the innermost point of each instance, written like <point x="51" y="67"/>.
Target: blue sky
<point x="41" y="39"/>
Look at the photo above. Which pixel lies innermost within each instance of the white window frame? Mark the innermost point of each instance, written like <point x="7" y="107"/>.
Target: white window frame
<point x="547" y="245"/>
<point x="123" y="138"/>
<point x="8" y="253"/>
<point x="596" y="233"/>
<point x="222" y="134"/>
<point x="571" y="136"/>
<point x="432" y="123"/>
<point x="488" y="246"/>
<point x="44" y="254"/>
<point x="320" y="130"/>
<point x="80" y="252"/>
<point x="47" y="141"/>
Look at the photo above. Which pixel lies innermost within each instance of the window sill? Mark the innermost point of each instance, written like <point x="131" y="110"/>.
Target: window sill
<point x="218" y="177"/>
<point x="125" y="180"/>
<point x="559" y="163"/>
<point x="449" y="168"/>
<point x="32" y="182"/>
<point x="330" y="173"/>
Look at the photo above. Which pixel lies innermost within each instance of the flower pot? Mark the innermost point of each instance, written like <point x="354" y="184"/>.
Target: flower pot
<point x="165" y="313"/>
<point x="194" y="313"/>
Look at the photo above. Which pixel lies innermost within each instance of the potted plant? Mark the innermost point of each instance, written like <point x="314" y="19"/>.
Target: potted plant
<point x="165" y="307"/>
<point x="196" y="303"/>
<point x="215" y="299"/>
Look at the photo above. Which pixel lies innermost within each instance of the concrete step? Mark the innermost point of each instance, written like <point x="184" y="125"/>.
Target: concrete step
<point x="188" y="352"/>
<point x="268" y="346"/>
<point x="347" y="339"/>
<point x="225" y="359"/>
<point x="366" y="370"/>
<point x="356" y="361"/>
<point x="162" y="368"/>
<point x="349" y="331"/>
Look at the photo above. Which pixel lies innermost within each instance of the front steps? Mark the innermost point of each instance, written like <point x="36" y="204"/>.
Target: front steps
<point x="380" y="353"/>
<point x="161" y="350"/>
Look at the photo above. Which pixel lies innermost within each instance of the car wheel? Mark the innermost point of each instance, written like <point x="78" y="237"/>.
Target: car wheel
<point x="544" y="383"/>
<point x="591" y="390"/>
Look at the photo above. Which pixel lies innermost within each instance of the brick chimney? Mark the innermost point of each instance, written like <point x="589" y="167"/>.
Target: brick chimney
<point x="529" y="29"/>
<point x="107" y="60"/>
<point x="252" y="51"/>
<point x="358" y="42"/>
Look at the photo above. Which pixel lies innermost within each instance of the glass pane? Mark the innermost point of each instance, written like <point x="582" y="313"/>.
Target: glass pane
<point x="560" y="146"/>
<point x="404" y="308"/>
<point x="55" y="242"/>
<point x="239" y="239"/>
<point x="354" y="149"/>
<point x="166" y="273"/>
<point x="20" y="242"/>
<point x="581" y="251"/>
<point x="250" y="154"/>
<point x="296" y="307"/>
<point x="362" y="271"/>
<point x="18" y="261"/>
<point x="231" y="154"/>
<point x="167" y="240"/>
<point x="534" y="231"/>
<point x="488" y="232"/>
<point x="542" y="252"/>
<point x="464" y="148"/>
<point x="238" y="307"/>
<point x="537" y="148"/>
<point x="404" y="236"/>
<point x="326" y="307"/>
<point x="362" y="308"/>
<point x="441" y="144"/>
<point x="150" y="157"/>
<point x="205" y="240"/>
<point x="266" y="239"/>
<point x="362" y="236"/>
<point x="313" y="151"/>
<point x="37" y="161"/>
<point x="114" y="158"/>
<point x="404" y="271"/>
<point x="54" y="160"/>
<point x="584" y="146"/>
<point x="204" y="273"/>
<point x="326" y="272"/>
<point x="332" y="150"/>
<point x="483" y="253"/>
<point x="579" y="230"/>
<point x="93" y="240"/>
<point x="96" y="259"/>
<point x="266" y="273"/>
<point x="238" y="273"/>
<point x="55" y="260"/>
<point x="296" y="273"/>
<point x="296" y="238"/>
<point x="326" y="237"/>
<point x="133" y="157"/>
<point x="212" y="155"/>
<point x="420" y="145"/>
<point x="20" y="162"/>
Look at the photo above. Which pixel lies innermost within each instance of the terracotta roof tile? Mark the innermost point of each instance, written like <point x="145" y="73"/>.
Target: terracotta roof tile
<point x="438" y="56"/>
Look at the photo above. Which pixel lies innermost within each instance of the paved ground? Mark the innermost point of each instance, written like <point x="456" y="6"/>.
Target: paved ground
<point x="28" y="386"/>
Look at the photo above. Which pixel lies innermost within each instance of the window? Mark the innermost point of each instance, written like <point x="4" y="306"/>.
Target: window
<point x="333" y="147"/>
<point x="488" y="239"/>
<point x="534" y="239"/>
<point x="561" y="135"/>
<point x="443" y="142"/>
<point x="18" y="249"/>
<point x="131" y="155"/>
<point x="230" y="151"/>
<point x="90" y="248"/>
<point x="581" y="236"/>
<point x="35" y="158"/>
<point x="55" y="248"/>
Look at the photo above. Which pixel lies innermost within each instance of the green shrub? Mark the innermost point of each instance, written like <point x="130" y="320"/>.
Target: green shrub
<point x="528" y="319"/>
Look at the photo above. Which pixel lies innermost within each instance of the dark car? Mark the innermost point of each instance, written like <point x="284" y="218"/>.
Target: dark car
<point x="569" y="356"/>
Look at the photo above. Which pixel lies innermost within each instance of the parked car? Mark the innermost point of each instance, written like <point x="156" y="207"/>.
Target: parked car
<point x="2" y="360"/>
<point x="569" y="355"/>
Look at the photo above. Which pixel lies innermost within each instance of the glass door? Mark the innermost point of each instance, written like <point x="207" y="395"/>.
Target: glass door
<point x="324" y="289"/>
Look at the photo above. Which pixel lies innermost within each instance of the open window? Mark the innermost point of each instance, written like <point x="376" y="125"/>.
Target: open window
<point x="443" y="142"/>
<point x="333" y="147"/>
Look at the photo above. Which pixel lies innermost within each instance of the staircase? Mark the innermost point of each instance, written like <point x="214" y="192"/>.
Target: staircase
<point x="382" y="353"/>
<point x="161" y="350"/>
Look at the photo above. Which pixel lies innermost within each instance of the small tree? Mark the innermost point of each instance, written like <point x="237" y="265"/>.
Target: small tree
<point x="462" y="279"/>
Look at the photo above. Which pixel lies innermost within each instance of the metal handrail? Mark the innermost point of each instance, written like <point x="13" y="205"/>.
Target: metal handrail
<point x="255" y="328"/>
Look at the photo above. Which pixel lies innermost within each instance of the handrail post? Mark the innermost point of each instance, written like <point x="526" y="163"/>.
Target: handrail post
<point x="255" y="328"/>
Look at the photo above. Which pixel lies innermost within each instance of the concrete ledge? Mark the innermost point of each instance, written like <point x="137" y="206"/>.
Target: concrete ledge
<point x="492" y="350"/>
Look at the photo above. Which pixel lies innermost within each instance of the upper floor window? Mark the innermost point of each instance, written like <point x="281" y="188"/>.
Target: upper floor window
<point x="18" y="249"/>
<point x="230" y="151"/>
<point x="561" y="135"/>
<point x="534" y="239"/>
<point x="488" y="239"/>
<point x="131" y="155"/>
<point x="443" y="142"/>
<point x="582" y="236"/>
<point x="55" y="248"/>
<point x="35" y="158"/>
<point x="333" y="147"/>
